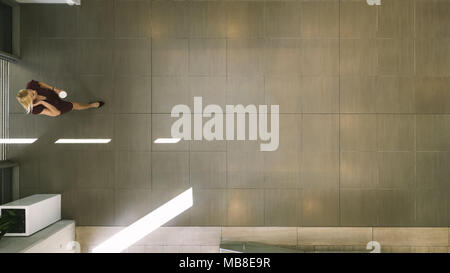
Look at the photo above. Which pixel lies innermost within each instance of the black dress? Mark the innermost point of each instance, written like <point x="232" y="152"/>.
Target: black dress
<point x="51" y="97"/>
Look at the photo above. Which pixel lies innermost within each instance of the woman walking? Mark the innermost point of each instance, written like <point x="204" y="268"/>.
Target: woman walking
<point x="40" y="98"/>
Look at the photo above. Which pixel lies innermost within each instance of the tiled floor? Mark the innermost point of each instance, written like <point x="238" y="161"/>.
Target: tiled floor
<point x="364" y="95"/>
<point x="303" y="239"/>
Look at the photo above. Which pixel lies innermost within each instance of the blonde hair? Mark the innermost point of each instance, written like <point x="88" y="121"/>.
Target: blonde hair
<point x="25" y="99"/>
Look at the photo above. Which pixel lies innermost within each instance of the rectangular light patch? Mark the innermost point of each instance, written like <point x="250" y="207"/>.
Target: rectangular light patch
<point x="167" y="140"/>
<point x="82" y="141"/>
<point x="147" y="224"/>
<point x="17" y="140"/>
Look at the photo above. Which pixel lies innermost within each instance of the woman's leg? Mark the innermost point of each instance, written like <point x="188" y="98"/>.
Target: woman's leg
<point x="82" y="106"/>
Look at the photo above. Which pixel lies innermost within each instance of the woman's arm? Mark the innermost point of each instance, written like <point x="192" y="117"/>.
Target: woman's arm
<point x="49" y="110"/>
<point x="44" y="85"/>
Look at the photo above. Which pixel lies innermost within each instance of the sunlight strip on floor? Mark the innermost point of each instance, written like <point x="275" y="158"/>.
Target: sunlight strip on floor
<point x="147" y="224"/>
<point x="17" y="140"/>
<point x="83" y="141"/>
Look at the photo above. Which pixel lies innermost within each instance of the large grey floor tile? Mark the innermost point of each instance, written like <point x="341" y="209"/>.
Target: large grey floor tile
<point x="208" y="170"/>
<point x="245" y="167"/>
<point x="373" y="94"/>
<point x="95" y="20"/>
<point x="282" y="166"/>
<point x="377" y="207"/>
<point x="132" y="57"/>
<point x="358" y="94"/>
<point x="282" y="169"/>
<point x="320" y="132"/>
<point x="93" y="169"/>
<point x="94" y="207"/>
<point x="285" y="92"/>
<point x="283" y="19"/>
<point x="132" y="94"/>
<point x="57" y="172"/>
<point x="170" y="19"/>
<point x="320" y="169"/>
<point x="358" y="133"/>
<point x="432" y="170"/>
<point x="431" y="20"/>
<point x="358" y="207"/>
<point x="132" y="18"/>
<point x="29" y="21"/>
<point x="395" y="95"/>
<point x="66" y="17"/>
<point x="245" y="19"/>
<point x="319" y="94"/>
<point x="96" y="56"/>
<point x="319" y="19"/>
<point x="210" y="207"/>
<point x="282" y="57"/>
<point x="319" y="57"/>
<point x="433" y="132"/>
<point x="395" y="132"/>
<point x="432" y="95"/>
<point x="212" y="90"/>
<point x="132" y="132"/>
<point x="431" y="57"/>
<point x="320" y="206"/>
<point x="130" y="205"/>
<point x="29" y="172"/>
<point x="245" y="90"/>
<point x="396" y="169"/>
<point x="358" y="170"/>
<point x="58" y="55"/>
<point x="245" y="57"/>
<point x="396" y="19"/>
<point x="168" y="92"/>
<point x="22" y="126"/>
<point x="357" y="19"/>
<point x="397" y="207"/>
<point x="170" y="170"/>
<point x="395" y="56"/>
<point x="207" y="19"/>
<point x="132" y="170"/>
<point x="281" y="207"/>
<point x="207" y="57"/>
<point x="432" y="207"/>
<point x="245" y="207"/>
<point x="170" y="57"/>
<point x="358" y="57"/>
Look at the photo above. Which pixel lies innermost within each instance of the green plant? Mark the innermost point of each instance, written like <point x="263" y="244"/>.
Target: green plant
<point x="7" y="222"/>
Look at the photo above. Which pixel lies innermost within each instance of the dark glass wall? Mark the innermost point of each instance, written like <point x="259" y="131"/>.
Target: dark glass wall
<point x="5" y="28"/>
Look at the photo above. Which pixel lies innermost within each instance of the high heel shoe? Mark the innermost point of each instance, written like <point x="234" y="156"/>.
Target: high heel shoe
<point x="100" y="103"/>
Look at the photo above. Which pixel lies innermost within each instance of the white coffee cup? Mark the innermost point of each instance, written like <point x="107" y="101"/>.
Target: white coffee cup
<point x="63" y="94"/>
